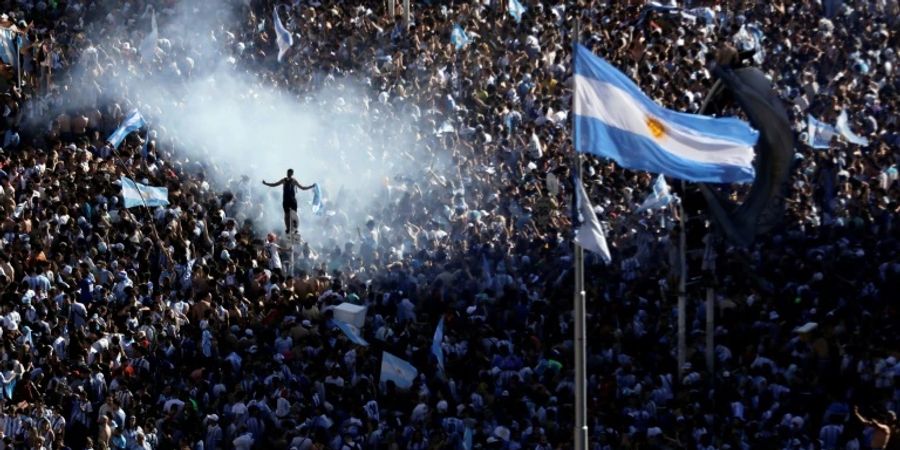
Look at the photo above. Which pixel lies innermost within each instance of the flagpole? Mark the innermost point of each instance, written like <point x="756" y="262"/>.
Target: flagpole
<point x="406" y="14"/>
<point x="581" y="430"/>
<point x="709" y="269"/>
<point x="682" y="290"/>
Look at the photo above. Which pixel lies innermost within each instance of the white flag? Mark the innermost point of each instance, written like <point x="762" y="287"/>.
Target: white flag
<point x="589" y="233"/>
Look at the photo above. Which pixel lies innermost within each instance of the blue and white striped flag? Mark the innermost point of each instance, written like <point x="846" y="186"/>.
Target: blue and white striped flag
<point x="660" y="196"/>
<point x="818" y="133"/>
<point x="317" y="207"/>
<point x="458" y="37"/>
<point x="516" y="10"/>
<point x="133" y="122"/>
<point x="843" y="127"/>
<point x="282" y="36"/>
<point x="402" y="373"/>
<point x="137" y="194"/>
<point x="8" y="46"/>
<point x="436" y="348"/>
<point x="615" y="120"/>
<point x="351" y="332"/>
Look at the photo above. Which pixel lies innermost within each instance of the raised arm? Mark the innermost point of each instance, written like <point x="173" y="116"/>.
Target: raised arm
<point x="277" y="183"/>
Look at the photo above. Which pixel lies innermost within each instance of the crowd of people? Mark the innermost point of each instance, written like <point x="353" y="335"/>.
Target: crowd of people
<point x="186" y="327"/>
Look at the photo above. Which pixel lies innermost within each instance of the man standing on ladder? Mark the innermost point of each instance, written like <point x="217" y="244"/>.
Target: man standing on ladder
<point x="289" y="199"/>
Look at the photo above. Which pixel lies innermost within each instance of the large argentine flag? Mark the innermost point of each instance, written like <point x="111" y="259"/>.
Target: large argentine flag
<point x="614" y="119"/>
<point x="137" y="194"/>
<point x="133" y="122"/>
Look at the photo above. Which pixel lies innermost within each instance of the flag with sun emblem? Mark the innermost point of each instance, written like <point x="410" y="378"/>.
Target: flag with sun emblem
<point x="615" y="120"/>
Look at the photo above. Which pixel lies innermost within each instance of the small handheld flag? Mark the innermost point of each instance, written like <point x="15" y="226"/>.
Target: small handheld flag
<point x="133" y="122"/>
<point x="458" y="37"/>
<point x="318" y="207"/>
<point x="282" y="36"/>
<point x="660" y="196"/>
<point x="351" y="332"/>
<point x="843" y="127"/>
<point x="818" y="133"/>
<point x="436" y="348"/>
<point x="516" y="10"/>
<point x="395" y="369"/>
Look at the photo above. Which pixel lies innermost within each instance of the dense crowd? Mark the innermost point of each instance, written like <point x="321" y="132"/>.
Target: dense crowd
<point x="185" y="327"/>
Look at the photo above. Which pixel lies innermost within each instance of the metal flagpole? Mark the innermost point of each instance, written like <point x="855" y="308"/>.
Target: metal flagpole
<point x="581" y="429"/>
<point x="709" y="267"/>
<point x="682" y="291"/>
<point x="392" y="11"/>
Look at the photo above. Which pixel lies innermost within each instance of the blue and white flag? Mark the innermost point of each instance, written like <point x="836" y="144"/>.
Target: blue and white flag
<point x="458" y="37"/>
<point x="137" y="194"/>
<point x="588" y="232"/>
<point x="660" y="196"/>
<point x="818" y="133"/>
<point x="436" y="348"/>
<point x="397" y="370"/>
<point x="318" y="207"/>
<point x="843" y="127"/>
<point x="516" y="10"/>
<point x="282" y="36"/>
<point x="133" y="122"/>
<point x="614" y="119"/>
<point x="351" y="332"/>
<point x="8" y="46"/>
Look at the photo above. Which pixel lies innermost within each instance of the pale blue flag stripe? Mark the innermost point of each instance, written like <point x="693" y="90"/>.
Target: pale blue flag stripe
<point x="516" y="10"/>
<point x="133" y="122"/>
<point x="614" y="119"/>
<point x="818" y="133"/>
<point x="282" y="36"/>
<point x="137" y="194"/>
<point x="395" y="369"/>
<point x="843" y="127"/>
<point x="660" y="196"/>
<point x="351" y="333"/>
<point x="436" y="348"/>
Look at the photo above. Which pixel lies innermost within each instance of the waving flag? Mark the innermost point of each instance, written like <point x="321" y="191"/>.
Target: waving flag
<point x="133" y="122"/>
<point x="137" y="194"/>
<point x="614" y="119"/>
<point x="660" y="196"/>
<point x="818" y="133"/>
<point x="397" y="370"/>
<point x="516" y="10"/>
<point x="458" y="37"/>
<point x="842" y="126"/>
<point x="282" y="37"/>
<point x="317" y="207"/>
<point x="436" y="348"/>
<point x="8" y="46"/>
<point x="146" y="144"/>
<point x="351" y="332"/>
<point x="588" y="233"/>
